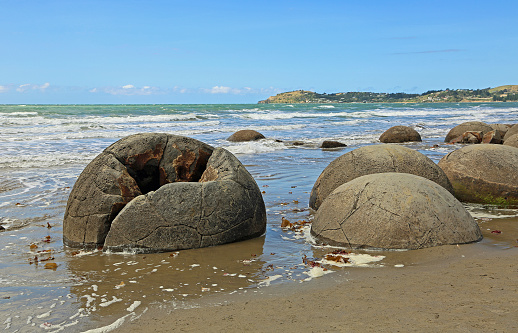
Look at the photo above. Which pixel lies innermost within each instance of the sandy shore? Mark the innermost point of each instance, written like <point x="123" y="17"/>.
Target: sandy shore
<point x="468" y="288"/>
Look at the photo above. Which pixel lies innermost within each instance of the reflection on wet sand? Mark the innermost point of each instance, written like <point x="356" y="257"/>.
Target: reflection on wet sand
<point x="118" y="284"/>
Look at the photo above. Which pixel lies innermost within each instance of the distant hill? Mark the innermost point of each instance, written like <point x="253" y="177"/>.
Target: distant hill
<point x="498" y="94"/>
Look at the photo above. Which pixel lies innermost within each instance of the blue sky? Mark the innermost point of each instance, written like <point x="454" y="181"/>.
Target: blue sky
<point x="63" y="52"/>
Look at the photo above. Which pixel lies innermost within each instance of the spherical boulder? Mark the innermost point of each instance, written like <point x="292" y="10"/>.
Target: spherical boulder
<point x="483" y="174"/>
<point x="512" y="141"/>
<point x="512" y="131"/>
<point x="161" y="192"/>
<point x="245" y="135"/>
<point x="398" y="134"/>
<point x="374" y="159"/>
<point x="470" y="126"/>
<point x="393" y="211"/>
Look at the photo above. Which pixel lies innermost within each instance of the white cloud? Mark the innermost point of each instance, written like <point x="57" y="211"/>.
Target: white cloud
<point x="4" y="89"/>
<point x="28" y="86"/>
<point x="129" y="90"/>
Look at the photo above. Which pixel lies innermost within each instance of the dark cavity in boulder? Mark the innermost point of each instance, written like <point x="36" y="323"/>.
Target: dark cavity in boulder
<point x="139" y="167"/>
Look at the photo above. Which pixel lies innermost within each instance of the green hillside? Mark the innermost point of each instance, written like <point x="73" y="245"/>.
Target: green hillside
<point x="497" y="94"/>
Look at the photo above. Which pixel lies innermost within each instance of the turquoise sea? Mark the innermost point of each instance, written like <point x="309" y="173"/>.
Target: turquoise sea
<point x="43" y="149"/>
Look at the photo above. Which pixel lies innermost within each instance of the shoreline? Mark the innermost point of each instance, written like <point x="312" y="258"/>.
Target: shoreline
<point x="464" y="288"/>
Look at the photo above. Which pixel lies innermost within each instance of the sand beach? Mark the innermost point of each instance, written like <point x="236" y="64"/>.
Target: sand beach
<point x="467" y="288"/>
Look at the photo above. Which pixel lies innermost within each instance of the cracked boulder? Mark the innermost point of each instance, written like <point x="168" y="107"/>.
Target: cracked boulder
<point x="485" y="174"/>
<point x="398" y="134"/>
<point x="393" y="211"/>
<point x="161" y="192"/>
<point x="374" y="159"/>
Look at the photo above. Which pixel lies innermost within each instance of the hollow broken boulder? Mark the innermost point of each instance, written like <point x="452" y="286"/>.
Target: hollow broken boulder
<point x="393" y="211"/>
<point x="374" y="159"/>
<point x="162" y="192"/>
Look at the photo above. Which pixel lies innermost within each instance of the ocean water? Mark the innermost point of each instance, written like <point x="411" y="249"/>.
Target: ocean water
<point x="43" y="149"/>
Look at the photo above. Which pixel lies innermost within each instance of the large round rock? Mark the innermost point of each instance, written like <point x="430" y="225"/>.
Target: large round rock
<point x="245" y="135"/>
<point x="512" y="131"/>
<point x="161" y="192"/>
<point x="483" y="174"/>
<point x="512" y="141"/>
<point x="374" y="159"/>
<point x="470" y="126"/>
<point x="398" y="134"/>
<point x="393" y="211"/>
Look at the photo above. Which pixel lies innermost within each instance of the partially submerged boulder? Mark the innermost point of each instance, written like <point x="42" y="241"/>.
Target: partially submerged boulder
<point x="374" y="159"/>
<point x="470" y="126"/>
<point x="245" y="135"/>
<point x="398" y="134"/>
<point x="512" y="141"/>
<point x="483" y="174"/>
<point x="393" y="211"/>
<point x="162" y="192"/>
<point x="471" y="137"/>
<point x="327" y="144"/>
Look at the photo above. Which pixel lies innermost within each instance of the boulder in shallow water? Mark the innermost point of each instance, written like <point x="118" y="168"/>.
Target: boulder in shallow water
<point x="161" y="192"/>
<point x="245" y="135"/>
<point x="327" y="144"/>
<point x="393" y="211"/>
<point x="483" y="174"/>
<point x="374" y="159"/>
<point x="398" y="134"/>
<point x="470" y="126"/>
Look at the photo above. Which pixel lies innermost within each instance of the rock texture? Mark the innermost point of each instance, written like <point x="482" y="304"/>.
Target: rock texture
<point x="512" y="141"/>
<point x="178" y="173"/>
<point x="393" y="211"/>
<point x="470" y="126"/>
<point x="512" y="131"/>
<point x="483" y="174"/>
<point x="374" y="159"/>
<point x="398" y="134"/>
<point x="245" y="135"/>
<point x="502" y="128"/>
<point x="332" y="144"/>
<point x="494" y="136"/>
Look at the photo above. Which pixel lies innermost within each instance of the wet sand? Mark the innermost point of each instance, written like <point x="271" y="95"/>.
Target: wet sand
<point x="466" y="288"/>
